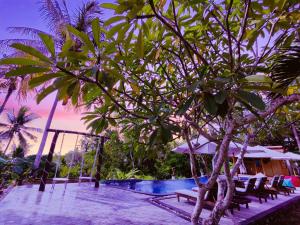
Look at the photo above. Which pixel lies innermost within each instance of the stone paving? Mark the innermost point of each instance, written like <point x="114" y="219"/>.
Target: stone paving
<point x="81" y="205"/>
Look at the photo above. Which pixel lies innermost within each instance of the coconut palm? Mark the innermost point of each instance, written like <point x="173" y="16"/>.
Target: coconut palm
<point x="16" y="128"/>
<point x="11" y="85"/>
<point x="286" y="72"/>
<point x="57" y="15"/>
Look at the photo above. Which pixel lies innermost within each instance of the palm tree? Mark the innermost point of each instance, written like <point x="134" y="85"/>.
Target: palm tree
<point x="12" y="84"/>
<point x="16" y="128"/>
<point x="57" y="15"/>
<point x="286" y="72"/>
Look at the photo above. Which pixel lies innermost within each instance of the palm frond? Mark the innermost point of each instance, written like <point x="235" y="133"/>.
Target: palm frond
<point x="6" y="134"/>
<point x="6" y="43"/>
<point x="66" y="12"/>
<point x="23" y="89"/>
<point x="86" y="14"/>
<point x="10" y="116"/>
<point x="26" y="31"/>
<point x="285" y="69"/>
<point x="22" y="141"/>
<point x="34" y="129"/>
<point x="28" y="134"/>
<point x="4" y="125"/>
<point x="51" y="12"/>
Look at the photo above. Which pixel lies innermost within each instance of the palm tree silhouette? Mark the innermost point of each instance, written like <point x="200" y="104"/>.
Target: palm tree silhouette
<point x="16" y="128"/>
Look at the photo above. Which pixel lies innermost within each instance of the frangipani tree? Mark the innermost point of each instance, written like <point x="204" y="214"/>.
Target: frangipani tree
<point x="175" y="68"/>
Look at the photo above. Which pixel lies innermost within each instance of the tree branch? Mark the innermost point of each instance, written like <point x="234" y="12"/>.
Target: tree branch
<point x="274" y="105"/>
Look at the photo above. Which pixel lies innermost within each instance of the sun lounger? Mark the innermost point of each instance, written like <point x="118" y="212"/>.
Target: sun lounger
<point x="249" y="187"/>
<point x="237" y="200"/>
<point x="260" y="191"/>
<point x="272" y="187"/>
<point x="282" y="188"/>
<point x="209" y="199"/>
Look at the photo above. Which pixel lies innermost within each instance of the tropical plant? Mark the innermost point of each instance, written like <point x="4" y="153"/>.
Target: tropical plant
<point x="16" y="127"/>
<point x="56" y="14"/>
<point x="9" y="85"/>
<point x="171" y="69"/>
<point x="117" y="174"/>
<point x="285" y="69"/>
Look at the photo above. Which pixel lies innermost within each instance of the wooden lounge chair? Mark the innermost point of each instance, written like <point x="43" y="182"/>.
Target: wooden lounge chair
<point x="252" y="189"/>
<point x="209" y="199"/>
<point x="249" y="187"/>
<point x="238" y="200"/>
<point x="260" y="191"/>
<point x="272" y="187"/>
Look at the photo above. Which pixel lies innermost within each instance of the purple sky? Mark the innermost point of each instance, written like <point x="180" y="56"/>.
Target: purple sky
<point x="26" y="13"/>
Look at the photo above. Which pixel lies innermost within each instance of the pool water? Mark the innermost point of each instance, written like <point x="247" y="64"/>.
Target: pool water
<point x="156" y="187"/>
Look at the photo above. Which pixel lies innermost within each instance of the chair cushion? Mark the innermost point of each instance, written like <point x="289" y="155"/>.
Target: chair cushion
<point x="240" y="189"/>
<point x="287" y="183"/>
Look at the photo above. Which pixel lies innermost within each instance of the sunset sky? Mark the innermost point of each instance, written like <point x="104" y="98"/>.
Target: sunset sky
<point x="26" y="13"/>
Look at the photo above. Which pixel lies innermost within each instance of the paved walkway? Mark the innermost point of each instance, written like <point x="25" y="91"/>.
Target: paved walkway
<point x="81" y="205"/>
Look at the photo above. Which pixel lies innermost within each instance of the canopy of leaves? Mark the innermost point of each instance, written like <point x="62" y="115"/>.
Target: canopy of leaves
<point x="170" y="64"/>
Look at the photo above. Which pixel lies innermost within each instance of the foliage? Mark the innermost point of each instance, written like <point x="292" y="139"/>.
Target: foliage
<point x="128" y="154"/>
<point x="168" y="69"/>
<point x="285" y="69"/>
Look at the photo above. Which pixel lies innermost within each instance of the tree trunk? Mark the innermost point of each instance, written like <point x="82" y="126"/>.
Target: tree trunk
<point x="7" y="96"/>
<point x="296" y="135"/>
<point x="217" y="165"/>
<point x="222" y="203"/>
<point x="45" y="135"/>
<point x="10" y="139"/>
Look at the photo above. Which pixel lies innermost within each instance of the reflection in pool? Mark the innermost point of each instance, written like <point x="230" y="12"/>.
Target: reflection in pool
<point x="156" y="187"/>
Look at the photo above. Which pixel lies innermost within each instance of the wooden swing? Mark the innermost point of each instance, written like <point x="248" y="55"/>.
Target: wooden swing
<point x="88" y="178"/>
<point x="58" y="163"/>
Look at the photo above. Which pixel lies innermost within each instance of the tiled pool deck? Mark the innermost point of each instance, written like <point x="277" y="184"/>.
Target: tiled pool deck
<point x="81" y="205"/>
<point x="84" y="205"/>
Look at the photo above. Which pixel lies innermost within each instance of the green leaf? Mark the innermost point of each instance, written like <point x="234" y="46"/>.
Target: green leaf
<point x="83" y="37"/>
<point x="49" y="43"/>
<point x="96" y="31"/>
<point x="31" y="51"/>
<point x="184" y="107"/>
<point x="128" y="40"/>
<point x="109" y="6"/>
<point x="36" y="81"/>
<point x="166" y="135"/>
<point x="113" y="20"/>
<point x="140" y="45"/>
<point x="252" y="99"/>
<point x="112" y="31"/>
<point x="258" y="79"/>
<point x="45" y="93"/>
<point x="24" y="70"/>
<point x="75" y="94"/>
<point x="153" y="137"/>
<point x="135" y="88"/>
<point x="220" y="97"/>
<point x="19" y="61"/>
<point x="223" y="109"/>
<point x="210" y="104"/>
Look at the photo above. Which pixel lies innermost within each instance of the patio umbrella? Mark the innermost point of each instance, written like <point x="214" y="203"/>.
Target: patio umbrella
<point x="202" y="145"/>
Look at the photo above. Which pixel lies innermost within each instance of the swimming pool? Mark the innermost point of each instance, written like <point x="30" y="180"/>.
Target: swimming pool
<point x="156" y="187"/>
